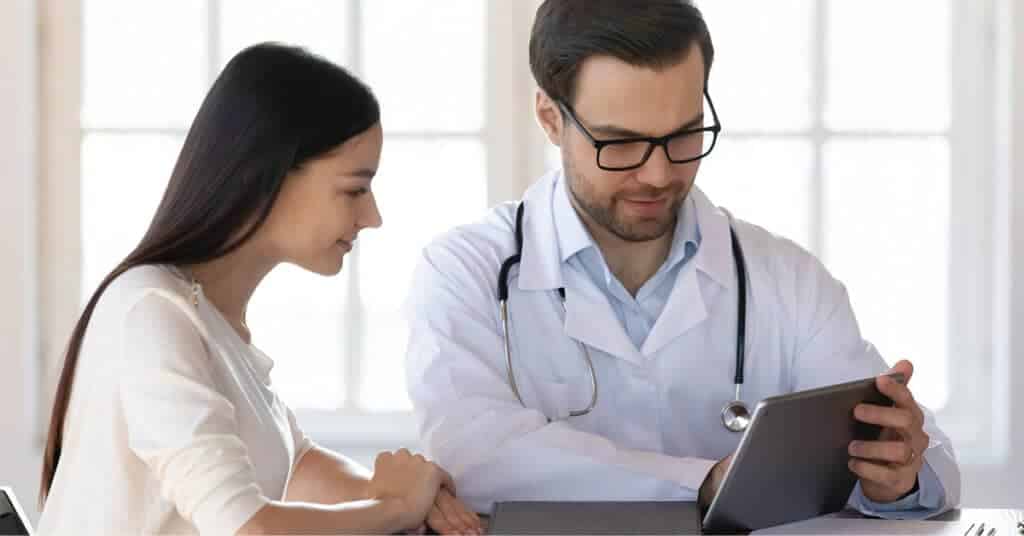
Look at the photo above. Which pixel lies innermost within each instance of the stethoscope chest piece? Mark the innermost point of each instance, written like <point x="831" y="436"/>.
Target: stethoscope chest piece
<point x="736" y="416"/>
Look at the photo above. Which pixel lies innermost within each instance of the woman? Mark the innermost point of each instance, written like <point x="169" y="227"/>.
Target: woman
<point x="165" y="419"/>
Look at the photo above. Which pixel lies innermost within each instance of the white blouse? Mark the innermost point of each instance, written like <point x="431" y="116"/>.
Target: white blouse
<point x="173" y="426"/>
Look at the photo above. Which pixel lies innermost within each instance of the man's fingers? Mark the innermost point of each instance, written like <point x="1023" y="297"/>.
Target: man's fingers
<point x="904" y="367"/>
<point x="898" y="452"/>
<point x="899" y="418"/>
<point x="890" y="477"/>
<point x="898" y="392"/>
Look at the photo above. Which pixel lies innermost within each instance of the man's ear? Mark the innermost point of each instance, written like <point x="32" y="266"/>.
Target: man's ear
<point x="549" y="116"/>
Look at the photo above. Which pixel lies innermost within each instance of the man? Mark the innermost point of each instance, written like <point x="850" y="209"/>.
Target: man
<point x="624" y="307"/>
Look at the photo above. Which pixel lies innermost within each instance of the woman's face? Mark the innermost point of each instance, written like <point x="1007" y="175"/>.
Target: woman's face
<point x="324" y="204"/>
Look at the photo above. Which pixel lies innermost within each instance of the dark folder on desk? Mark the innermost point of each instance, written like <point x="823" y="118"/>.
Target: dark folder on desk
<point x="11" y="516"/>
<point x="602" y="517"/>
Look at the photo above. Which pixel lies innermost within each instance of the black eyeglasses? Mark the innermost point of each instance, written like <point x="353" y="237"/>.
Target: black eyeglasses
<point x="680" y="147"/>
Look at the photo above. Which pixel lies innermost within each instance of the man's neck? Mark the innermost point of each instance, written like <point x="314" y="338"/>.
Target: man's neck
<point x="633" y="263"/>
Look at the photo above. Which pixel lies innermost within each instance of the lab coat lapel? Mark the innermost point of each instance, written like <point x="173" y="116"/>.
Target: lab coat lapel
<point x="684" y="310"/>
<point x="589" y="319"/>
<point x="687" y="304"/>
<point x="540" y="266"/>
<point x="714" y="258"/>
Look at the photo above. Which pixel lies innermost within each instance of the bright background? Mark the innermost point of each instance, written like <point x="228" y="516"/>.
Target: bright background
<point x="879" y="134"/>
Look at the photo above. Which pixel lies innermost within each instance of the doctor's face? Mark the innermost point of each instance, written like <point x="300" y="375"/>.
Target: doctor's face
<point x="615" y="100"/>
<point x="324" y="204"/>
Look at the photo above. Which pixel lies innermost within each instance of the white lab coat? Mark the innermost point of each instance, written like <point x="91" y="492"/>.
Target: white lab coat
<point x="656" y="429"/>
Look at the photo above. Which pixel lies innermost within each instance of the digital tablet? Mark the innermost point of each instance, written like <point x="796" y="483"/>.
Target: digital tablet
<point x="12" y="517"/>
<point x="792" y="462"/>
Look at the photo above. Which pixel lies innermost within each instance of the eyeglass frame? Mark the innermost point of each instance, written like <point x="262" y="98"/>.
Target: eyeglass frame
<point x="715" y="129"/>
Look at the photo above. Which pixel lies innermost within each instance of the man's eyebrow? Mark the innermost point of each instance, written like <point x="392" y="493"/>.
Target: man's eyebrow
<point x="620" y="132"/>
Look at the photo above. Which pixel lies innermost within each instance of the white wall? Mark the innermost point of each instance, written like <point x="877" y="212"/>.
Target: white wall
<point x="18" y="239"/>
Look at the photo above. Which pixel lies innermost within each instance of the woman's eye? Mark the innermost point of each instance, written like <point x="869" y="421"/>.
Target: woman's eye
<point x="357" y="192"/>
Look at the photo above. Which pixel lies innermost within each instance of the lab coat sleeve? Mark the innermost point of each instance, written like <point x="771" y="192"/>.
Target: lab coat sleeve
<point x="473" y="425"/>
<point x="829" y="350"/>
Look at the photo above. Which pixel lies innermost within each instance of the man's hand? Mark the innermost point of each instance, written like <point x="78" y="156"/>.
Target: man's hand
<point x="711" y="483"/>
<point x="888" y="468"/>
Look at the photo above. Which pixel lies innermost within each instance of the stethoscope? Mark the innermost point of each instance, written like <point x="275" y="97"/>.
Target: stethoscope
<point x="735" y="414"/>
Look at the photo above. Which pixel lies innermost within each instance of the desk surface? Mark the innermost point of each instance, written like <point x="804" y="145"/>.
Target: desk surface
<point x="969" y="522"/>
<point x="971" y="513"/>
<point x="999" y="516"/>
<point x="966" y="514"/>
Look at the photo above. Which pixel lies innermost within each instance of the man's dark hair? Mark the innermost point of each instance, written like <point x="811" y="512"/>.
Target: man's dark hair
<point x="648" y="33"/>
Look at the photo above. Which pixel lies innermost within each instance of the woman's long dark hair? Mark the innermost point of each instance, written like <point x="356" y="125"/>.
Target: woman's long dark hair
<point x="273" y="108"/>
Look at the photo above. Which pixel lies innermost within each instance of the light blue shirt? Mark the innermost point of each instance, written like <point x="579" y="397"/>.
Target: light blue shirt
<point x="638" y="315"/>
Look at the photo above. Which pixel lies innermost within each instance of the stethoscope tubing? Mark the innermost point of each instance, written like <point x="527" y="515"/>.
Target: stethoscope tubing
<point x="735" y="415"/>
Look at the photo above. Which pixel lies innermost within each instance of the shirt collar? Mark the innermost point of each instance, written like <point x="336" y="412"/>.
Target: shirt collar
<point x="541" y="267"/>
<point x="573" y="237"/>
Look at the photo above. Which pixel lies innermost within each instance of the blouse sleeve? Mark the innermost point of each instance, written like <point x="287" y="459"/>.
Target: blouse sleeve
<point x="178" y="423"/>
<point x="302" y="442"/>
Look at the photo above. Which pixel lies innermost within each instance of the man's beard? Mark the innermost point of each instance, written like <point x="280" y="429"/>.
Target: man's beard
<point x="604" y="214"/>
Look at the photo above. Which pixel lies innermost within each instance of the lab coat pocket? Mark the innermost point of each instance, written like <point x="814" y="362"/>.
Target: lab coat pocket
<point x="553" y="397"/>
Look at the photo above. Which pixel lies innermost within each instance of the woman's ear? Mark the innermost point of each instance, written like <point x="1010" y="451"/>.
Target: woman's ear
<point x="549" y="116"/>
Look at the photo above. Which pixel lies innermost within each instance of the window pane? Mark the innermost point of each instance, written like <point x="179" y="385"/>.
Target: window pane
<point x="424" y="189"/>
<point x="322" y="26"/>
<point x="879" y="76"/>
<point x="887" y="238"/>
<point x="383" y="387"/>
<point x="755" y="178"/>
<point x="296" y="318"/>
<point x="761" y="77"/>
<point x="144" y="63"/>
<point x="115" y="168"/>
<point x="425" y="60"/>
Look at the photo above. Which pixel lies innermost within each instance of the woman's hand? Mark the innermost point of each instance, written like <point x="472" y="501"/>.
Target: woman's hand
<point x="409" y="481"/>
<point x="450" y="516"/>
<point x="713" y="481"/>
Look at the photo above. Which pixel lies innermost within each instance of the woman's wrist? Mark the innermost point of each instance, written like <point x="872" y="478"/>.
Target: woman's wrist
<point x="364" y="491"/>
<point x="395" y="513"/>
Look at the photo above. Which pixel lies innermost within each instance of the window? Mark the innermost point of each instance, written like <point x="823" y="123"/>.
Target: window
<point x="841" y="131"/>
<point x="338" y="343"/>
<point x="868" y="146"/>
